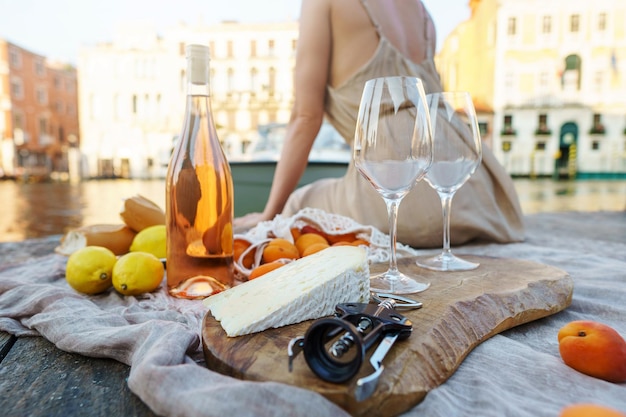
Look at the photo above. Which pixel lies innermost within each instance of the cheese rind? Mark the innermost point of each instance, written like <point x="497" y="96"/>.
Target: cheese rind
<point x="308" y="288"/>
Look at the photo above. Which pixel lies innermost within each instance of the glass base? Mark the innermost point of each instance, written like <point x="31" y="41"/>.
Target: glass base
<point x="391" y="282"/>
<point x="446" y="262"/>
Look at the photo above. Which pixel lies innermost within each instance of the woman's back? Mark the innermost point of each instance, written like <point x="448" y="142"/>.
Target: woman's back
<point x="355" y="33"/>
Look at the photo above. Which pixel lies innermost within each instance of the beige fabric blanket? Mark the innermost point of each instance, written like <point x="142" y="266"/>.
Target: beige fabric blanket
<point x="516" y="373"/>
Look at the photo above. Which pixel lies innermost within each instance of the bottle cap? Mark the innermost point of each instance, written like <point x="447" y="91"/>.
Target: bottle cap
<point x="198" y="57"/>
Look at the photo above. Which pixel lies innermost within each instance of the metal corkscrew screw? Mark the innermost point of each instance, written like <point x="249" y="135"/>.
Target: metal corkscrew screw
<point x="334" y="348"/>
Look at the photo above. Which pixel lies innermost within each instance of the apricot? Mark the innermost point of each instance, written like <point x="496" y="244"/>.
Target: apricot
<point x="312" y="229"/>
<point x="594" y="349"/>
<point x="295" y="233"/>
<point x="589" y="410"/>
<point x="314" y="248"/>
<point x="307" y="239"/>
<point x="346" y="237"/>
<point x="239" y="247"/>
<point x="280" y="249"/>
<point x="264" y="269"/>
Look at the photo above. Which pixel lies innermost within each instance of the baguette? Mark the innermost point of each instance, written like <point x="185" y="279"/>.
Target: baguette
<point x="139" y="212"/>
<point x="116" y="237"/>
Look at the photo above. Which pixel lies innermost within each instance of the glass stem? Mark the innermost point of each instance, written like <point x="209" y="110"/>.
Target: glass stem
<point x="392" y="210"/>
<point x="446" y="205"/>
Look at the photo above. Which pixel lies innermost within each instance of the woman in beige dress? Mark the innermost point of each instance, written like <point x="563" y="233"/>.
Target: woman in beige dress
<point x="341" y="45"/>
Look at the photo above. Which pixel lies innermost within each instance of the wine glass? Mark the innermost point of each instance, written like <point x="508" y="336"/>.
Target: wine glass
<point x="457" y="154"/>
<point x="393" y="150"/>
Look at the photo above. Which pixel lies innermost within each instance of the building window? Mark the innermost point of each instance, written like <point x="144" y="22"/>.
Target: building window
<point x="42" y="96"/>
<point x="254" y="80"/>
<point x="542" y="125"/>
<point x="511" y="27"/>
<point x="595" y="145"/>
<point x="17" y="88"/>
<point x="483" y="128"/>
<point x="231" y="80"/>
<point x="270" y="47"/>
<point x="602" y="22"/>
<point x="253" y="48"/>
<point x="570" y="79"/>
<point x="212" y="50"/>
<point x="18" y="121"/>
<point x="574" y="23"/>
<point x="15" y="58"/>
<point x="597" y="128"/>
<point x="598" y="80"/>
<point x="43" y="126"/>
<point x="272" y="81"/>
<point x="39" y="68"/>
<point x="546" y="26"/>
<point x="229" y="49"/>
<point x="507" y="129"/>
<point x="544" y="80"/>
<point x="540" y="146"/>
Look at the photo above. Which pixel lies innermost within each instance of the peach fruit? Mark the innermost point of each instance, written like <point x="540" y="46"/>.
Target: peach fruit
<point x="594" y="349"/>
<point x="589" y="410"/>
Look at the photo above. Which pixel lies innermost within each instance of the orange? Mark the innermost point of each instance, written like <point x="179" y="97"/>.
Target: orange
<point x="589" y="410"/>
<point x="264" y="269"/>
<point x="280" y="249"/>
<point x="308" y="239"/>
<point x="314" y="248"/>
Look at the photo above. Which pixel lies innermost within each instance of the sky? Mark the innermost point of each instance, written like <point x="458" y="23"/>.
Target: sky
<point x="57" y="29"/>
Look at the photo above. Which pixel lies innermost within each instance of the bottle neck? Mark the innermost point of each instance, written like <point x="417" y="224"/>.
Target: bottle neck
<point x="198" y="76"/>
<point x="194" y="89"/>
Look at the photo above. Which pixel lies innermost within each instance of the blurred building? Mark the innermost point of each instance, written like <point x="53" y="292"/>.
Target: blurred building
<point x="39" y="132"/>
<point x="550" y="80"/>
<point x="132" y="91"/>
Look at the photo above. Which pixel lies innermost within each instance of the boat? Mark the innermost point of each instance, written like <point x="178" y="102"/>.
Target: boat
<point x="253" y="172"/>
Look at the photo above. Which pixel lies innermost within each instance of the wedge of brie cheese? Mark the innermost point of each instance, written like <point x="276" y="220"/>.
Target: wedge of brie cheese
<point x="308" y="288"/>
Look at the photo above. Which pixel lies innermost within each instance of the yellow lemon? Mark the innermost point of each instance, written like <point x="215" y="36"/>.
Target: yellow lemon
<point x="89" y="269"/>
<point x="137" y="273"/>
<point x="151" y="240"/>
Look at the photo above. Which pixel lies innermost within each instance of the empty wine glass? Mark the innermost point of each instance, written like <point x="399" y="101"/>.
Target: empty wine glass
<point x="393" y="150"/>
<point x="457" y="154"/>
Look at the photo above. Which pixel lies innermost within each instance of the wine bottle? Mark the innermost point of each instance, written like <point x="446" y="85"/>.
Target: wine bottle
<point x="199" y="195"/>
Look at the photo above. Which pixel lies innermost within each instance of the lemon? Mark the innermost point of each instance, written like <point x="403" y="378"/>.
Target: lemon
<point x="151" y="240"/>
<point x="89" y="269"/>
<point x="137" y="273"/>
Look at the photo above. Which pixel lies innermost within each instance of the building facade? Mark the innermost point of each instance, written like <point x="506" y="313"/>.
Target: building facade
<point x="38" y="115"/>
<point x="132" y="91"/>
<point x="551" y="77"/>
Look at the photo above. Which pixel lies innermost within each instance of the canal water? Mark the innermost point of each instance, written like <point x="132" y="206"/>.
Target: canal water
<point x="42" y="209"/>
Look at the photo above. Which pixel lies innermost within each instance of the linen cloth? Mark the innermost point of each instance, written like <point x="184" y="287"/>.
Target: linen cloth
<point x="516" y="373"/>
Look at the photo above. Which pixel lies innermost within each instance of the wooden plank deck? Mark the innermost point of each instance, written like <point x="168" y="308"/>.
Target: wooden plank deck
<point x="37" y="379"/>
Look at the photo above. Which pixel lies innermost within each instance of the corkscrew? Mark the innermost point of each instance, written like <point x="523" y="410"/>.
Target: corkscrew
<point x="335" y="347"/>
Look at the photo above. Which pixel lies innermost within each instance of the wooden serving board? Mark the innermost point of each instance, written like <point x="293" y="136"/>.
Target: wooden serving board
<point x="461" y="310"/>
